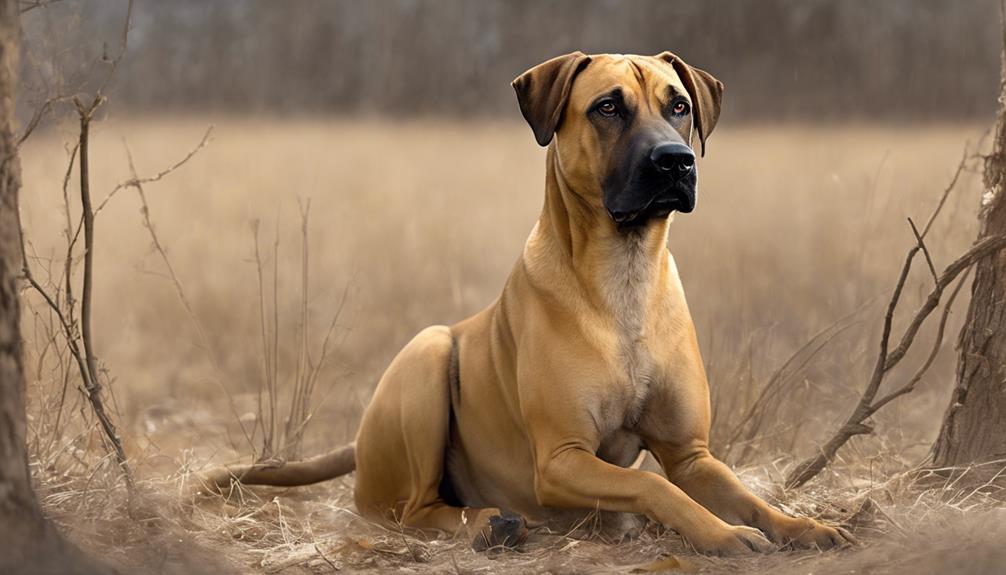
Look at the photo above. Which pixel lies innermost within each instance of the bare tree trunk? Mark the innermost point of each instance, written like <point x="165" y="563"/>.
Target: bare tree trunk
<point x="974" y="427"/>
<point x="28" y="543"/>
<point x="18" y="508"/>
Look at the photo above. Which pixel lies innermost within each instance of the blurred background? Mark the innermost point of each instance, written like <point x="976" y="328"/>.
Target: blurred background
<point x="788" y="59"/>
<point x="396" y="120"/>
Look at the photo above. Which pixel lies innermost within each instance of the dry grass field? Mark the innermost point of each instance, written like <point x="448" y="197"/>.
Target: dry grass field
<point x="415" y="223"/>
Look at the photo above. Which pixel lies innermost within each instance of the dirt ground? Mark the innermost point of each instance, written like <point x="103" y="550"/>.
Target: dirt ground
<point x="415" y="223"/>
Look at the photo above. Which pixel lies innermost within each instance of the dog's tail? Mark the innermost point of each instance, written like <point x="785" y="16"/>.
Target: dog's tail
<point x="339" y="461"/>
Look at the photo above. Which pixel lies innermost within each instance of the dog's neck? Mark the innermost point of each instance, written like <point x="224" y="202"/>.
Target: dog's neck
<point x="616" y="266"/>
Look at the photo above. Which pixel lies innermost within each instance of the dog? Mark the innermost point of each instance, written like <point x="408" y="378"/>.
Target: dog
<point x="539" y="404"/>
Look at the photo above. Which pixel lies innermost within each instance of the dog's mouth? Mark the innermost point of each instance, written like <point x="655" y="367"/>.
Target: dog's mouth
<point x="658" y="207"/>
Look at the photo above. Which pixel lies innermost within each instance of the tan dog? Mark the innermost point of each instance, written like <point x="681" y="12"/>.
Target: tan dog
<point x="539" y="404"/>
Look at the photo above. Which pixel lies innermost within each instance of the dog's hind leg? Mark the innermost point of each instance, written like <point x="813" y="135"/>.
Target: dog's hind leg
<point x="402" y="445"/>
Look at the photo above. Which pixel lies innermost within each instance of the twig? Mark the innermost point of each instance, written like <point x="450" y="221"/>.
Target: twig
<point x="267" y="355"/>
<point x="946" y="191"/>
<point x="26" y="6"/>
<point x="324" y="557"/>
<point x="39" y="114"/>
<point x="68" y="260"/>
<point x="937" y="343"/>
<point x="302" y="382"/>
<point x="925" y="250"/>
<point x="135" y="180"/>
<point x="274" y="379"/>
<point x="123" y="44"/>
<point x="92" y="384"/>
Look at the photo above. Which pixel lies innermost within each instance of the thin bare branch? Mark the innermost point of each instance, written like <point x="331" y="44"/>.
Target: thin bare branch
<point x="123" y="44"/>
<point x="39" y="114"/>
<point x="961" y="165"/>
<point x="68" y="260"/>
<point x="325" y="353"/>
<point x="937" y="343"/>
<point x="28" y="5"/>
<point x="138" y="181"/>
<point x="925" y="250"/>
<point x="92" y="385"/>
<point x="274" y="379"/>
<point x="302" y="389"/>
<point x="267" y="356"/>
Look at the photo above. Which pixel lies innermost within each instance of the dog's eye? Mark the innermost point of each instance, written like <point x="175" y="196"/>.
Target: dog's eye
<point x="680" y="108"/>
<point x="607" y="108"/>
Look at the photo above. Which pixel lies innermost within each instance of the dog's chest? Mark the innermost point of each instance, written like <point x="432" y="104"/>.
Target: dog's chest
<point x="629" y="288"/>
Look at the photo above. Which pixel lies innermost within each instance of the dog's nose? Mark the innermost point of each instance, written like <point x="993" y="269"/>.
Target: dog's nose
<point x="623" y="216"/>
<point x="674" y="159"/>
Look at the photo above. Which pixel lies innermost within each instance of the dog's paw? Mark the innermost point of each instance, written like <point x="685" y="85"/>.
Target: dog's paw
<point x="501" y="530"/>
<point x="806" y="533"/>
<point x="733" y="540"/>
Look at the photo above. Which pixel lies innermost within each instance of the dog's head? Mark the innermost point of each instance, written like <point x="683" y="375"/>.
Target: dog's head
<point x="623" y="128"/>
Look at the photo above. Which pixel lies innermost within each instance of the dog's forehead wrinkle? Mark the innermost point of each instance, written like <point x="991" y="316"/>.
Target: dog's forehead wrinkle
<point x="666" y="76"/>
<point x="641" y="81"/>
<point x="638" y="73"/>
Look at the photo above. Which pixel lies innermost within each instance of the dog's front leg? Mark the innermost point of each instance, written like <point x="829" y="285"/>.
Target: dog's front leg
<point x="573" y="477"/>
<point x="712" y="484"/>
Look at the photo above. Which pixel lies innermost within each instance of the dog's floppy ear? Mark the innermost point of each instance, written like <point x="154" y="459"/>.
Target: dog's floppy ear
<point x="543" y="90"/>
<point x="706" y="93"/>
